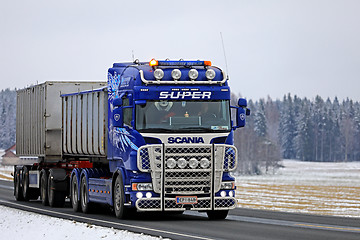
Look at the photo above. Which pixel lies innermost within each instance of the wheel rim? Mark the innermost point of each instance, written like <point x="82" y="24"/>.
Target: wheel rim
<point x="117" y="197"/>
<point x="74" y="193"/>
<point x="83" y="193"/>
<point x="43" y="187"/>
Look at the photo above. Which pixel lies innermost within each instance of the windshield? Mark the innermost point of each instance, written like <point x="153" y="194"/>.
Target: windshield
<point x="183" y="116"/>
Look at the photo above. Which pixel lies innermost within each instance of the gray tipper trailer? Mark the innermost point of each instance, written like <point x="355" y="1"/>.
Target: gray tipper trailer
<point x="40" y="144"/>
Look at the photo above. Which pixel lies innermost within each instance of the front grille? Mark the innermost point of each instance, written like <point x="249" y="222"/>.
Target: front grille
<point x="188" y="180"/>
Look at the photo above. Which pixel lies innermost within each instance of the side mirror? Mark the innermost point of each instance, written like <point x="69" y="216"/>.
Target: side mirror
<point x="117" y="113"/>
<point x="117" y="102"/>
<point x="242" y="102"/>
<point x="240" y="117"/>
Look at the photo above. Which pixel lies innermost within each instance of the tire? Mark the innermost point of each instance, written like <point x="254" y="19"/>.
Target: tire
<point x="43" y="188"/>
<point x="84" y="196"/>
<point x="217" y="215"/>
<point x="74" y="194"/>
<point x="27" y="192"/>
<point x="119" y="199"/>
<point x="56" y="198"/>
<point x="17" y="186"/>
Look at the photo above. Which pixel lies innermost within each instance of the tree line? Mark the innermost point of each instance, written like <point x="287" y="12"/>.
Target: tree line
<point x="298" y="128"/>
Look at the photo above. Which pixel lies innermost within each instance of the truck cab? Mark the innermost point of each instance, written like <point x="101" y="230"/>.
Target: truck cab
<point x="170" y="136"/>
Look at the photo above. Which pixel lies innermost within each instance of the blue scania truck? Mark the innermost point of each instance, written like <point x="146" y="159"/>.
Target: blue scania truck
<point x="158" y="136"/>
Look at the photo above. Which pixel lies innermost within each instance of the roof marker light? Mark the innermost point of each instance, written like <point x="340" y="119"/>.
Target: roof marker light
<point x="207" y="63"/>
<point x="153" y="62"/>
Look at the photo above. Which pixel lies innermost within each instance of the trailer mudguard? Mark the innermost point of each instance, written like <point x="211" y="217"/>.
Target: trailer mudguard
<point x="59" y="181"/>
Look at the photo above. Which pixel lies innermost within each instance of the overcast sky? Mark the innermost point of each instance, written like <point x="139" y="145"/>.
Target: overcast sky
<point x="273" y="47"/>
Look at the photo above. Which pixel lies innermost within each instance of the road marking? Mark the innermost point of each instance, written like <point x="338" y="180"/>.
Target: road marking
<point x="107" y="222"/>
<point x="285" y="223"/>
<point x="329" y="227"/>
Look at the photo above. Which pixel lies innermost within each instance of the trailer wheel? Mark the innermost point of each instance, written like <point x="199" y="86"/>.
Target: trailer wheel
<point x="17" y="186"/>
<point x="119" y="198"/>
<point x="217" y="215"/>
<point x="43" y="188"/>
<point x="56" y="198"/>
<point x="75" y="194"/>
<point x="84" y="196"/>
<point x="28" y="193"/>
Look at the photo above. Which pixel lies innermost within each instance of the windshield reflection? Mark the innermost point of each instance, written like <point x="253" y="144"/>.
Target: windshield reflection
<point x="183" y="116"/>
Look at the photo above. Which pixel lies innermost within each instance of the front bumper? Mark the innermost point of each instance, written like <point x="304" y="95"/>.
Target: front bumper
<point x="154" y="204"/>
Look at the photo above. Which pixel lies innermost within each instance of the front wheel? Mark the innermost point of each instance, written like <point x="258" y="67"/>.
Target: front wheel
<point x="217" y="215"/>
<point x="119" y="198"/>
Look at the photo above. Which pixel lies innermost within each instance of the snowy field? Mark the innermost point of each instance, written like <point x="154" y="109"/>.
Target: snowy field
<point x="17" y="224"/>
<point x="304" y="187"/>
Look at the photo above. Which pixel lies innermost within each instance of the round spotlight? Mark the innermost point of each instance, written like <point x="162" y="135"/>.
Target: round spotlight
<point x="193" y="74"/>
<point x="231" y="194"/>
<point x="223" y="194"/>
<point x="204" y="163"/>
<point x="171" y="163"/>
<point x="193" y="163"/>
<point x="158" y="74"/>
<point x="139" y="195"/>
<point x="181" y="163"/>
<point x="210" y="74"/>
<point x="148" y="195"/>
<point x="176" y="74"/>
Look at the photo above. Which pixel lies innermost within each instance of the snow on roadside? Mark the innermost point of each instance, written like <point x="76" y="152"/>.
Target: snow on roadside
<point x="17" y="224"/>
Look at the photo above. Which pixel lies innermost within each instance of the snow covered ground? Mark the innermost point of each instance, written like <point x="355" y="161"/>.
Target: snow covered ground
<point x="17" y="224"/>
<point x="304" y="187"/>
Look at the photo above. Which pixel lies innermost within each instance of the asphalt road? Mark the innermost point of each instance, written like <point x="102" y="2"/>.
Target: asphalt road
<point x="240" y="223"/>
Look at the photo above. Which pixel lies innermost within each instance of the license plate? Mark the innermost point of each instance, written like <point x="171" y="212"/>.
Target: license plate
<point x="186" y="200"/>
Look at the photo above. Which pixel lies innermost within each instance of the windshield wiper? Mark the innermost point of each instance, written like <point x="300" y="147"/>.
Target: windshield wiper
<point x="156" y="130"/>
<point x="197" y="129"/>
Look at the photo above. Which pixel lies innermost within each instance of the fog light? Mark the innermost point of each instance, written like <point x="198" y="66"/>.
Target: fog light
<point x="231" y="193"/>
<point x="223" y="194"/>
<point x="193" y="163"/>
<point x="171" y="163"/>
<point x="193" y="74"/>
<point x="148" y="195"/>
<point x="181" y="163"/>
<point x="204" y="163"/>
<point x="176" y="74"/>
<point x="158" y="74"/>
<point x="210" y="74"/>
<point x="139" y="195"/>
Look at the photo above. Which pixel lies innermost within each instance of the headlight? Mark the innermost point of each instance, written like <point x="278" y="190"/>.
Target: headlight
<point x="193" y="163"/>
<point x="227" y="185"/>
<point x="210" y="74"/>
<point x="193" y="74"/>
<point x="181" y="163"/>
<point x="142" y="186"/>
<point x="171" y="163"/>
<point x="176" y="74"/>
<point x="223" y="194"/>
<point x="204" y="163"/>
<point x="158" y="74"/>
